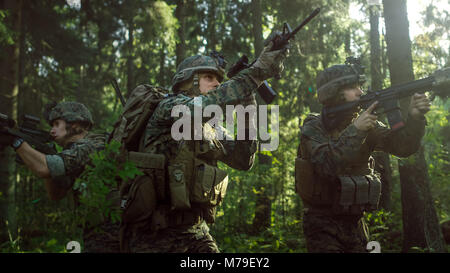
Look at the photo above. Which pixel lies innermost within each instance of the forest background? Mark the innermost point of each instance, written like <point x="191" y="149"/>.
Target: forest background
<point x="70" y="50"/>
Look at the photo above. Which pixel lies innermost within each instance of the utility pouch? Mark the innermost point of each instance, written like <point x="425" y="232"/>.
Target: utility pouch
<point x="139" y="196"/>
<point x="140" y="200"/>
<point x="304" y="180"/>
<point x="154" y="163"/>
<point x="220" y="188"/>
<point x="374" y="192"/>
<point x="178" y="185"/>
<point x="210" y="184"/>
<point x="362" y="190"/>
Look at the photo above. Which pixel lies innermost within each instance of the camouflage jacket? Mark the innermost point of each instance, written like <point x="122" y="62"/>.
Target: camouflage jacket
<point x="337" y="153"/>
<point x="236" y="154"/>
<point x="67" y="165"/>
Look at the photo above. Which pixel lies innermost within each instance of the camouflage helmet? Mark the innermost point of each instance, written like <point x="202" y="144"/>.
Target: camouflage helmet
<point x="333" y="79"/>
<point x="198" y="63"/>
<point x="69" y="111"/>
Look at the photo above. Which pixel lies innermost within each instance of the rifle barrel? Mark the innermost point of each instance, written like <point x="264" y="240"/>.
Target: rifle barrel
<point x="391" y="93"/>
<point x="312" y="15"/>
<point x="118" y="93"/>
<point x="398" y="91"/>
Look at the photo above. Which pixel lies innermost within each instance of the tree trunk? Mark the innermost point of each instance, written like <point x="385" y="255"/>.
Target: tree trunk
<point x="9" y="88"/>
<point x="382" y="162"/>
<point x="263" y="204"/>
<point x="180" y="14"/>
<point x="162" y="59"/>
<point x="130" y="61"/>
<point x="257" y="27"/>
<point x="420" y="222"/>
<point x="348" y="34"/>
<point x="211" y="30"/>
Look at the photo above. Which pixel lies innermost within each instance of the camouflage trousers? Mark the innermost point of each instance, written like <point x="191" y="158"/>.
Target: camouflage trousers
<point x="335" y="234"/>
<point x="102" y="239"/>
<point x="179" y="239"/>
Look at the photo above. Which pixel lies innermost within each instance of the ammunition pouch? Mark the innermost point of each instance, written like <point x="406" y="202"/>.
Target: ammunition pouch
<point x="210" y="184"/>
<point x="357" y="194"/>
<point x="196" y="182"/>
<point x="347" y="194"/>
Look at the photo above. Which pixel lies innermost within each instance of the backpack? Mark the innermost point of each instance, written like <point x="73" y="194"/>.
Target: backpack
<point x="137" y="110"/>
<point x="138" y="196"/>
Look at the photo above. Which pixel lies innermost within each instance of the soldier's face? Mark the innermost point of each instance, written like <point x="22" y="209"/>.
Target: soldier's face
<point x="352" y="93"/>
<point x="58" y="131"/>
<point x="207" y="82"/>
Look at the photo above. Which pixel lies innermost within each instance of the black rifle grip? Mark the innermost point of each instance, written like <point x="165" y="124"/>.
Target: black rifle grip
<point x="395" y="120"/>
<point x="394" y="115"/>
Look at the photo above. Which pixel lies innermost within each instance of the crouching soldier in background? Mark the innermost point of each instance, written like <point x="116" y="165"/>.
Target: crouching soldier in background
<point x="334" y="169"/>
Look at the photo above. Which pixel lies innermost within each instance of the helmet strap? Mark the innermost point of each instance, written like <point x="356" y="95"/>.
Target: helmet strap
<point x="195" y="90"/>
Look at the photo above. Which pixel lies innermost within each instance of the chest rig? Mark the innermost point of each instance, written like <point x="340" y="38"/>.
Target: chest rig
<point x="194" y="177"/>
<point x="352" y="190"/>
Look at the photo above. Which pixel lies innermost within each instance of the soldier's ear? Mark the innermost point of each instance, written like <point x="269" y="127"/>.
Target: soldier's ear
<point x="80" y="127"/>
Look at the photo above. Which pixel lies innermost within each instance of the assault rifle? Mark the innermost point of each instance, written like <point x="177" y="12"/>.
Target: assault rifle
<point x="29" y="132"/>
<point x="388" y="99"/>
<point x="279" y="41"/>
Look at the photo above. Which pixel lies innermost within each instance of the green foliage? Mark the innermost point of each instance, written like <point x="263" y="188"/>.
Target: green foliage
<point x="95" y="184"/>
<point x="274" y="239"/>
<point x="6" y="35"/>
<point x="384" y="227"/>
<point x="43" y="225"/>
<point x="437" y="147"/>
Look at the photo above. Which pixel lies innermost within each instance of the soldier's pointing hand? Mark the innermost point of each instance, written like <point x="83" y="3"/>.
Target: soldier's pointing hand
<point x="269" y="63"/>
<point x="366" y="120"/>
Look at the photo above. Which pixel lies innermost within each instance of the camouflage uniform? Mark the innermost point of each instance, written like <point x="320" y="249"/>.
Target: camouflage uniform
<point x="345" y="152"/>
<point x="186" y="230"/>
<point x="68" y="164"/>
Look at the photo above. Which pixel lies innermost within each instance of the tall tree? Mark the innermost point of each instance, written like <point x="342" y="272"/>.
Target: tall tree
<point x="180" y="14"/>
<point x="382" y="162"/>
<point x="420" y="222"/>
<point x="9" y="88"/>
<point x="211" y="30"/>
<point x="130" y="57"/>
<point x="263" y="203"/>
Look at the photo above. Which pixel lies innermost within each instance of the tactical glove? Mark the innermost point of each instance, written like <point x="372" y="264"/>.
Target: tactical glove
<point x="269" y="63"/>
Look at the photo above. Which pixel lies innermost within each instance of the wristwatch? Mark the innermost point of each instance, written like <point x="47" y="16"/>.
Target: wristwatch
<point x="17" y="142"/>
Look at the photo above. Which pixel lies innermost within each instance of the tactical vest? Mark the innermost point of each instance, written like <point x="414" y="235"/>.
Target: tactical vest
<point x="194" y="177"/>
<point x="352" y="191"/>
<point x="190" y="183"/>
<point x="173" y="190"/>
